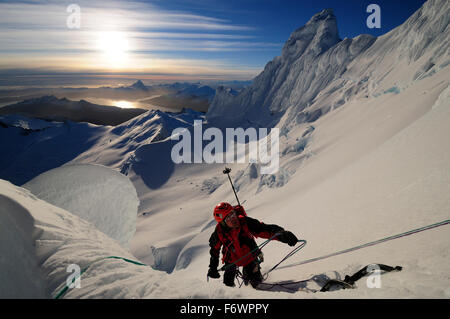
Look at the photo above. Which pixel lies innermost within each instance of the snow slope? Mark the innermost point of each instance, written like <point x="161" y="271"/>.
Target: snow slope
<point x="362" y="114"/>
<point x="372" y="180"/>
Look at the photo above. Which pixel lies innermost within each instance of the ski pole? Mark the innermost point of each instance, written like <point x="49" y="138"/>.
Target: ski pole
<point x="227" y="171"/>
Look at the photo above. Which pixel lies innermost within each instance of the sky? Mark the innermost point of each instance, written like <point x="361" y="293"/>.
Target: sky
<point x="164" y="39"/>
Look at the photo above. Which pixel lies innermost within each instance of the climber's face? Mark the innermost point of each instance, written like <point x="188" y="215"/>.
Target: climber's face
<point x="232" y="220"/>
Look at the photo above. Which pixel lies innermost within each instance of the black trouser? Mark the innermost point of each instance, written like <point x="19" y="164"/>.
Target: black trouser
<point x="250" y="272"/>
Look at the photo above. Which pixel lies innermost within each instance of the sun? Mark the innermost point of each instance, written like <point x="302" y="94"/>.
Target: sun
<point x="124" y="104"/>
<point x="114" y="46"/>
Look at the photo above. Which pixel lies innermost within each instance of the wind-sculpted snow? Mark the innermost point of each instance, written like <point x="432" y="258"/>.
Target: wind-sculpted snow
<point x="20" y="273"/>
<point x="53" y="239"/>
<point x="245" y="178"/>
<point x="98" y="194"/>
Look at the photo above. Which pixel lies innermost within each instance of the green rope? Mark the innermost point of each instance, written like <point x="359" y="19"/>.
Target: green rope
<point x="66" y="287"/>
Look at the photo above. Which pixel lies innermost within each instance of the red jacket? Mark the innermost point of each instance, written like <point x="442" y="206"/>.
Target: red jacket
<point x="238" y="242"/>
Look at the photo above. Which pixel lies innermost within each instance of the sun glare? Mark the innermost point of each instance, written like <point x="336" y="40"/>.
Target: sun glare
<point x="124" y="104"/>
<point x="114" y="46"/>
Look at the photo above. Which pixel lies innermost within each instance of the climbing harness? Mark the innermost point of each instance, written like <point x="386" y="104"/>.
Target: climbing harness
<point x="259" y="247"/>
<point x="258" y="260"/>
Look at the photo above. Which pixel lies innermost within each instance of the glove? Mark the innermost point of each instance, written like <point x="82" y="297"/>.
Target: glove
<point x="240" y="209"/>
<point x="288" y="238"/>
<point x="213" y="273"/>
<point x="261" y="256"/>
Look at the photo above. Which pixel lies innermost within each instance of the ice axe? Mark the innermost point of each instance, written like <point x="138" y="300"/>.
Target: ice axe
<point x="227" y="171"/>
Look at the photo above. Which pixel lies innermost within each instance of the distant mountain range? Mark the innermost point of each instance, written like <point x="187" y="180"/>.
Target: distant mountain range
<point x="52" y="108"/>
<point x="189" y="95"/>
<point x="174" y="96"/>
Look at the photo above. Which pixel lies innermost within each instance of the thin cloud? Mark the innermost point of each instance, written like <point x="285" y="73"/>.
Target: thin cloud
<point x="35" y="36"/>
<point x="98" y="15"/>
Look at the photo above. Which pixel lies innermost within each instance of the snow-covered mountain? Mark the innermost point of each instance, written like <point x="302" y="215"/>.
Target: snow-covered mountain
<point x="318" y="72"/>
<point x="364" y="126"/>
<point x="139" y="85"/>
<point x="31" y="146"/>
<point x="199" y="90"/>
<point x="187" y="95"/>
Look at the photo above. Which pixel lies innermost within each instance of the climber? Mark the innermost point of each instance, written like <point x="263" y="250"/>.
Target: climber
<point x="235" y="233"/>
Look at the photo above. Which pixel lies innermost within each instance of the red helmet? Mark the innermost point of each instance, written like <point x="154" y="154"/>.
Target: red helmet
<point x="221" y="211"/>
